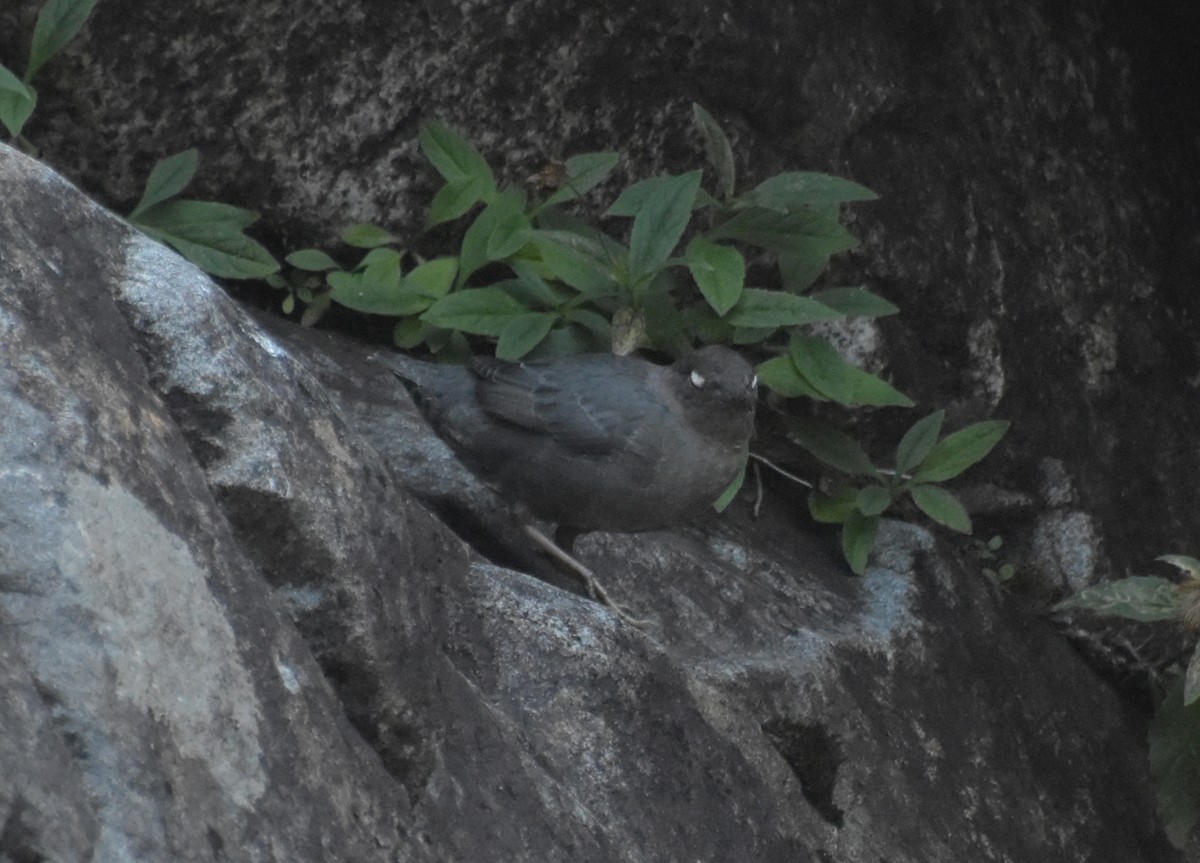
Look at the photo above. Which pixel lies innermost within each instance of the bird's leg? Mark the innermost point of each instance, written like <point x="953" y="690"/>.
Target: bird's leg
<point x="595" y="589"/>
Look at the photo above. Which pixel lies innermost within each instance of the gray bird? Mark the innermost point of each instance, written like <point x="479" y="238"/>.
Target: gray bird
<point x="595" y="441"/>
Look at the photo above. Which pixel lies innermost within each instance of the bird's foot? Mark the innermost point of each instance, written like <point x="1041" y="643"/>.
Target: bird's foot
<point x="595" y="589"/>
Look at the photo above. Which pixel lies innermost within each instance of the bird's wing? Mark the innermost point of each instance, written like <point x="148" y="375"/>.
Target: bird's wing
<point x="584" y="408"/>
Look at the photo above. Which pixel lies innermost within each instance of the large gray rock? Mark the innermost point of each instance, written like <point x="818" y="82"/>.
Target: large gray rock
<point x="230" y="633"/>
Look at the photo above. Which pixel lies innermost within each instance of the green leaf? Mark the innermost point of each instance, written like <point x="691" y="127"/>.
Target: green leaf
<point x="763" y="308"/>
<point x="167" y="179"/>
<point x="584" y="172"/>
<point x="804" y="262"/>
<point x="832" y="446"/>
<point x="481" y="311"/>
<point x="872" y="500"/>
<point x="499" y="230"/>
<point x="57" y="23"/>
<point x="941" y="506"/>
<point x="717" y="150"/>
<point x="858" y="539"/>
<point x="1175" y="764"/>
<point x="785" y="232"/>
<point x="367" y="236"/>
<point x="571" y="259"/>
<point x="731" y="490"/>
<point x="866" y="389"/>
<point x="832" y="508"/>
<point x="957" y="452"/>
<point x="311" y="260"/>
<point x="409" y="333"/>
<point x="719" y="271"/>
<point x="523" y="333"/>
<point x="531" y="289"/>
<point x="209" y="234"/>
<point x="376" y="290"/>
<point x="455" y="159"/>
<point x="917" y="442"/>
<point x="796" y="190"/>
<point x="821" y="366"/>
<point x="856" y="302"/>
<point x="433" y="278"/>
<point x="660" y="223"/>
<point x="17" y="101"/>
<point x="454" y="199"/>
<point x="781" y="376"/>
<point x="1139" y="597"/>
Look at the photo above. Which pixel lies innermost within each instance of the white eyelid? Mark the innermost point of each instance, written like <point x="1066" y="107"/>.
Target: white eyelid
<point x="697" y="380"/>
<point x="754" y="382"/>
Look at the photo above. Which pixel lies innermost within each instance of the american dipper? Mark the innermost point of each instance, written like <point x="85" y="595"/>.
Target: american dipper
<point x="594" y="441"/>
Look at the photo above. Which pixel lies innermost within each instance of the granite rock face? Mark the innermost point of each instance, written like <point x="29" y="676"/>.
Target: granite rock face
<point x="231" y="633"/>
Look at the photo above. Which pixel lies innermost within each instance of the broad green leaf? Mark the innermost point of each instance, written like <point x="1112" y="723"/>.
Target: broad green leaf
<point x="186" y="217"/>
<point x="433" y="278"/>
<point x="481" y="311"/>
<point x="1175" y="764"/>
<point x="780" y="376"/>
<point x="311" y="260"/>
<point x="731" y="490"/>
<point x="821" y="366"/>
<point x="1139" y="597"/>
<point x="856" y="302"/>
<point x="717" y="150"/>
<point x="570" y="260"/>
<point x="941" y="506"/>
<point x="858" y="538"/>
<point x="917" y="442"/>
<point x="17" y="101"/>
<point x="1188" y="564"/>
<point x="594" y="323"/>
<point x="455" y="159"/>
<point x="795" y="190"/>
<point x="501" y="227"/>
<point x="57" y="23"/>
<point x="702" y="322"/>
<point x="762" y="308"/>
<point x="316" y="309"/>
<point x="660" y="222"/>
<point x="957" y="452"/>
<point x="454" y="199"/>
<point x="719" y="271"/>
<point x="784" y="232"/>
<point x="364" y="235"/>
<point x="866" y="389"/>
<point x="531" y="289"/>
<point x="167" y="179"/>
<point x="522" y="333"/>
<point x="803" y="262"/>
<point x="226" y="254"/>
<point x="832" y="446"/>
<point x="376" y="290"/>
<point x="584" y="172"/>
<point x="409" y="333"/>
<point x="873" y="500"/>
<point x="832" y="508"/>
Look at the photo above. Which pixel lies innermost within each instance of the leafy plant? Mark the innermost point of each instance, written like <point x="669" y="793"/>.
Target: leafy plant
<point x="209" y="234"/>
<point x="536" y="279"/>
<point x="57" y="24"/>
<point x="921" y="461"/>
<point x="1174" y="736"/>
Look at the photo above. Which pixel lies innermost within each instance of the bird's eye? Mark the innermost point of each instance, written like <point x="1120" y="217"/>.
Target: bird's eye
<point x="697" y="380"/>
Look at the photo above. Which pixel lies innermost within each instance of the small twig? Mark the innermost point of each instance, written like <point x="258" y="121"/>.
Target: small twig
<point x="781" y="471"/>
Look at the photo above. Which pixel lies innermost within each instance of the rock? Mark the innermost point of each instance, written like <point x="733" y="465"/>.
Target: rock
<point x="229" y="631"/>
